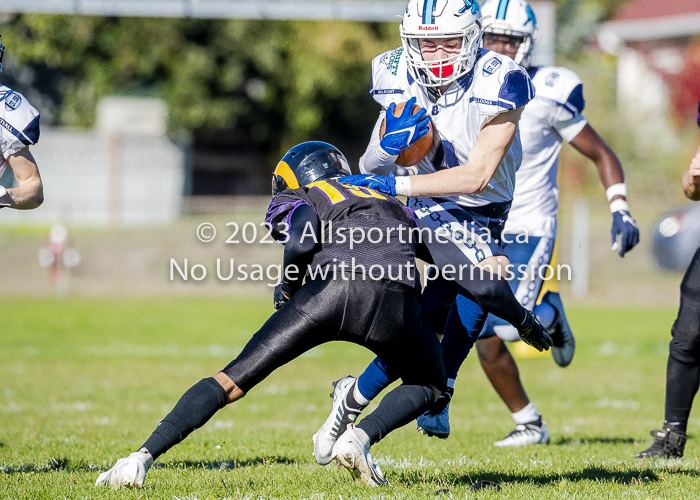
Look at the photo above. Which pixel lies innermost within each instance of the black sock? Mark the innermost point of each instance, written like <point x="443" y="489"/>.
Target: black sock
<point x="401" y="406"/>
<point x="193" y="410"/>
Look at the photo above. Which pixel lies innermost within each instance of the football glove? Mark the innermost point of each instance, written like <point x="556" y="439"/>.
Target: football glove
<point x="280" y="298"/>
<point x="533" y="333"/>
<point x="625" y="234"/>
<point x="403" y="130"/>
<point x="385" y="184"/>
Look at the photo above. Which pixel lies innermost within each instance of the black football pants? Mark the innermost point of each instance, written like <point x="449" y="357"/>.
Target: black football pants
<point x="683" y="371"/>
<point x="383" y="316"/>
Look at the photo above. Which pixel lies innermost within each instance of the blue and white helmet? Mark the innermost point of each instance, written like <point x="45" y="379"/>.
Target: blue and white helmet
<point x="512" y="18"/>
<point x="441" y="19"/>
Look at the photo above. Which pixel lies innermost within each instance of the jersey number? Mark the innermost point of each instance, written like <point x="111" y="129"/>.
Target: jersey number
<point x="445" y="151"/>
<point x="335" y="196"/>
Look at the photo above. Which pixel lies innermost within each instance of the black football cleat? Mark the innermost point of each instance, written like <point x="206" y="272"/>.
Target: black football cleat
<point x="668" y="444"/>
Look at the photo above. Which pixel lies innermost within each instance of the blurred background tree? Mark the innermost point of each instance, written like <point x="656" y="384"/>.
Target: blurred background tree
<point x="244" y="91"/>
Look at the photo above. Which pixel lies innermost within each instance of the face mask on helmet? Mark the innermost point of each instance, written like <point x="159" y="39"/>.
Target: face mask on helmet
<point x="512" y="18"/>
<point x="429" y="20"/>
<point x="306" y="163"/>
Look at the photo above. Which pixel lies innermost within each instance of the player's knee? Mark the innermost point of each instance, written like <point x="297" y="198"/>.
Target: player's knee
<point x="488" y="349"/>
<point x="685" y="347"/>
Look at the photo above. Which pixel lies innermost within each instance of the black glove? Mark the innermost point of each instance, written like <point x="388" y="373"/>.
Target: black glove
<point x="281" y="296"/>
<point x="533" y="333"/>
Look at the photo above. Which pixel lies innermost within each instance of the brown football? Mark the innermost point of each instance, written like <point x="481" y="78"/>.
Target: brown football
<point x="416" y="151"/>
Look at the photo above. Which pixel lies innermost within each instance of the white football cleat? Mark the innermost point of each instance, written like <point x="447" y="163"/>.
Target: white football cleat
<point x="129" y="471"/>
<point x="351" y="454"/>
<point x="525" y="434"/>
<point x="327" y="435"/>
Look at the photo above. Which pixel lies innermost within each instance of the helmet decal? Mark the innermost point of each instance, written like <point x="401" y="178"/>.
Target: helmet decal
<point x="530" y="16"/>
<point x="470" y="4"/>
<point x="429" y="12"/>
<point x="502" y="9"/>
<point x="287" y="175"/>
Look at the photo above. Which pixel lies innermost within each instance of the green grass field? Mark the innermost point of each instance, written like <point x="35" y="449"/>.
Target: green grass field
<point x="84" y="382"/>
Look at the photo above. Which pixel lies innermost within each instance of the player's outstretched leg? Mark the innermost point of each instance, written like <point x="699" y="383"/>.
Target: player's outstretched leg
<point x="564" y="344"/>
<point x="199" y="403"/>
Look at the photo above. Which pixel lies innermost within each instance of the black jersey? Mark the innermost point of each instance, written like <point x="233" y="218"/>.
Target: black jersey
<point x="363" y="232"/>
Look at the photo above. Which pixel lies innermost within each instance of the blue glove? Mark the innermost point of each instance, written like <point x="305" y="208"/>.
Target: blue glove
<point x="625" y="234"/>
<point x="385" y="184"/>
<point x="402" y="131"/>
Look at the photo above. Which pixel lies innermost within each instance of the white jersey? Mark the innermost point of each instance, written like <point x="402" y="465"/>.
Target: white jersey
<point x="552" y="117"/>
<point x="496" y="85"/>
<point x="19" y="124"/>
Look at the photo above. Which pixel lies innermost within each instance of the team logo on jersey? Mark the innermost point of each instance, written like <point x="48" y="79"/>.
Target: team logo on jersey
<point x="491" y="66"/>
<point x="552" y="79"/>
<point x="12" y="101"/>
<point x="392" y="60"/>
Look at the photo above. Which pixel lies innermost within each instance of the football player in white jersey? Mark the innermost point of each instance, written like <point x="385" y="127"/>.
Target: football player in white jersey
<point x="462" y="197"/>
<point x="554" y="116"/>
<point x="19" y="129"/>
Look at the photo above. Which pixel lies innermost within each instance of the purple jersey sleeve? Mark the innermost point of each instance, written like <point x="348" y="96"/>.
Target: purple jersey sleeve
<point x="279" y="213"/>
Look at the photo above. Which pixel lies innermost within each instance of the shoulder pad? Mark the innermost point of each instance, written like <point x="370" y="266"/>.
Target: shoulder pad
<point x="559" y="86"/>
<point x="19" y="120"/>
<point x="390" y="76"/>
<point x="498" y="80"/>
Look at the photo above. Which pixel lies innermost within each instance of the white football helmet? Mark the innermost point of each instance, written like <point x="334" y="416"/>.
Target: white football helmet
<point x="441" y="19"/>
<point x="513" y="18"/>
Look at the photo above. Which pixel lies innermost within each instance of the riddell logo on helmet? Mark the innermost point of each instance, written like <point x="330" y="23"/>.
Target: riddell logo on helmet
<point x="428" y="28"/>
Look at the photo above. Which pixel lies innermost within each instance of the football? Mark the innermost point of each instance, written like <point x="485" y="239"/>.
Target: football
<point x="416" y="151"/>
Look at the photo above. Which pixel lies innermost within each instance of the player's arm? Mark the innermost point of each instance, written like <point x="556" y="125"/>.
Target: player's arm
<point x="29" y="192"/>
<point x="691" y="179"/>
<point x="592" y="146"/>
<point x="299" y="250"/>
<point x="493" y="143"/>
<point x="376" y="160"/>
<point x="625" y="234"/>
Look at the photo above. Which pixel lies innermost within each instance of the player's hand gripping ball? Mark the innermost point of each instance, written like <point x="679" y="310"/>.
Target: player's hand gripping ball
<point x="408" y="134"/>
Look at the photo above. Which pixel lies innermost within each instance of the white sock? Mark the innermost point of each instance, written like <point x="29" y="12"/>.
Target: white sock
<point x="451" y="383"/>
<point x="361" y="400"/>
<point x="526" y="415"/>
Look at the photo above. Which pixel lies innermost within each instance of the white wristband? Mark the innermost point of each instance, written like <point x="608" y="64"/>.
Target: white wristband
<point x="619" y="189"/>
<point x="618" y="205"/>
<point x="403" y="186"/>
